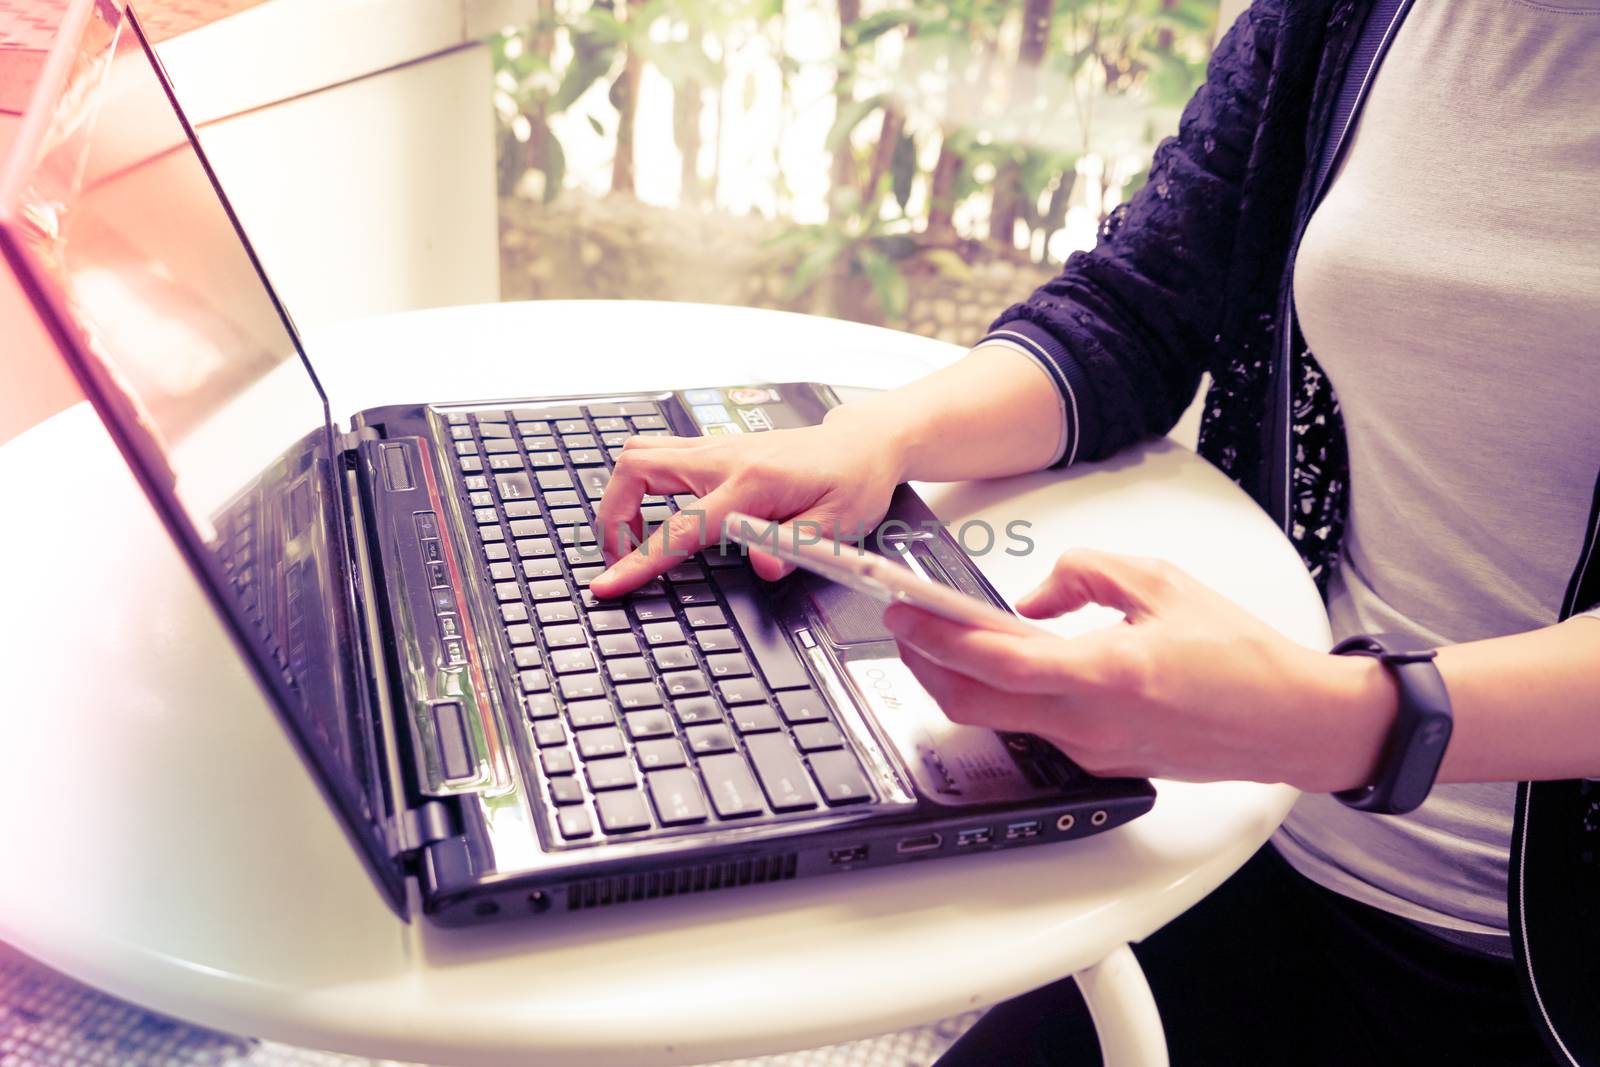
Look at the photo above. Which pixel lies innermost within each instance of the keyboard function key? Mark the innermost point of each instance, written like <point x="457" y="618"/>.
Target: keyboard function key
<point x="677" y="797"/>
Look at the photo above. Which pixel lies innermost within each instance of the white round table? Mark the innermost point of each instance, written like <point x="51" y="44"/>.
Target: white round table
<point x="165" y="844"/>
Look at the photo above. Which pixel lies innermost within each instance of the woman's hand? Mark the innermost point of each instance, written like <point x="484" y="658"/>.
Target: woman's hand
<point x="1190" y="687"/>
<point x="839" y="475"/>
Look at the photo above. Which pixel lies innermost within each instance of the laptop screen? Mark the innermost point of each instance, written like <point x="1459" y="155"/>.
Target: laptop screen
<point x="115" y="225"/>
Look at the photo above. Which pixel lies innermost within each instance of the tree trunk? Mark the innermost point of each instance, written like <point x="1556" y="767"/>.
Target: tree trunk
<point x="687" y="104"/>
<point x="942" y="194"/>
<point x="627" y="100"/>
<point x="1007" y="205"/>
<point x="843" y="173"/>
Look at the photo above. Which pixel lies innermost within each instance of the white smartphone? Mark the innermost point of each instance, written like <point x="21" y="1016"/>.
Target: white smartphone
<point x="866" y="572"/>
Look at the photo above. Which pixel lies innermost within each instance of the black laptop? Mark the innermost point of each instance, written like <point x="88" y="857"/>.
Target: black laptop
<point x="411" y="587"/>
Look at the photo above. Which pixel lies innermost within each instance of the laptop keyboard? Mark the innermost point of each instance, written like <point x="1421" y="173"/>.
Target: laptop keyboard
<point x="679" y="706"/>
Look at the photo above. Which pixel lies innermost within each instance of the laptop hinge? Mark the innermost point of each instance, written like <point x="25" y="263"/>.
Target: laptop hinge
<point x="423" y="825"/>
<point x="349" y="441"/>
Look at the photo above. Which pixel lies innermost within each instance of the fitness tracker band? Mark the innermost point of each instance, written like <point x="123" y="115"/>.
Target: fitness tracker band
<point x="1415" y="745"/>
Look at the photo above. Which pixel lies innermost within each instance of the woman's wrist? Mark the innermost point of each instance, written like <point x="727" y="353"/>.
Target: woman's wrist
<point x="1354" y="702"/>
<point x="888" y="424"/>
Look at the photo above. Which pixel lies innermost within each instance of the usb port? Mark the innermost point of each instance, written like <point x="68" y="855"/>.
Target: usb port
<point x="839" y="857"/>
<point x="1018" y="830"/>
<point x="920" y="843"/>
<point x="978" y="835"/>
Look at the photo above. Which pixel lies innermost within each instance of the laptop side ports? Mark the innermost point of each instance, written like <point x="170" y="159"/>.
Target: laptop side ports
<point x="1016" y="831"/>
<point x="977" y="835"/>
<point x="920" y="843"/>
<point x="843" y="857"/>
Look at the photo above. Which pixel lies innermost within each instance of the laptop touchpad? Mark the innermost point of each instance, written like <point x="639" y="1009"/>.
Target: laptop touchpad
<point x="847" y="617"/>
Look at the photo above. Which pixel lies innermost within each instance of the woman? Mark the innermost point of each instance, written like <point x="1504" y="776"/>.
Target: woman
<point x="1427" y="226"/>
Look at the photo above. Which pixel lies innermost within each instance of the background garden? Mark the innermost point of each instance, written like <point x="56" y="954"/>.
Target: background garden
<point x="919" y="165"/>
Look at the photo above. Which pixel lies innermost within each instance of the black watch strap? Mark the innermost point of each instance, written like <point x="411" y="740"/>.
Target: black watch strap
<point x="1415" y="746"/>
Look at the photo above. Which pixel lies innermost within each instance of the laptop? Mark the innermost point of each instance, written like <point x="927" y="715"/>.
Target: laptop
<point x="409" y="584"/>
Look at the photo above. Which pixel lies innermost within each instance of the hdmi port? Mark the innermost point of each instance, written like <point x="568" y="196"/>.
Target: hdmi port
<point x="920" y="843"/>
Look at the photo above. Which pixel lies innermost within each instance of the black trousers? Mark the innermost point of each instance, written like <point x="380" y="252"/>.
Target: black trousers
<point x="1274" y="969"/>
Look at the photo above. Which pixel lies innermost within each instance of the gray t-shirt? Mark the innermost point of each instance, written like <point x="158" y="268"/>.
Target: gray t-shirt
<point x="1449" y="284"/>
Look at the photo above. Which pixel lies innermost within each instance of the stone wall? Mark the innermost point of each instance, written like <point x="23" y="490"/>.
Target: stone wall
<point x="615" y="247"/>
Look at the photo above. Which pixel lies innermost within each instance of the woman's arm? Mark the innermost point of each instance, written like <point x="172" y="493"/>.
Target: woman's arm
<point x="1195" y="688"/>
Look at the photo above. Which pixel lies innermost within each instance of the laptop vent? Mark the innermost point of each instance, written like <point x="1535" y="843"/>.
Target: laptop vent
<point x="702" y="878"/>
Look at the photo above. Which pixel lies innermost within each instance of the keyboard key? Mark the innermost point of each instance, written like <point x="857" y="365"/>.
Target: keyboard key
<point x="816" y="736"/>
<point x="546" y="460"/>
<point x="495" y="552"/>
<point x="643" y="725"/>
<point x="548" y="411"/>
<point x="684" y="683"/>
<point x="717" y="641"/>
<point x="485" y="516"/>
<point x="694" y="593"/>
<point x="571" y="426"/>
<point x="840" y="777"/>
<point x="540" y="706"/>
<point x="571" y="660"/>
<point x="607" y="621"/>
<point x="568" y="516"/>
<point x="649" y="422"/>
<point x="593" y="481"/>
<point x="705" y="616"/>
<point x="562" y="498"/>
<point x="550" y="589"/>
<point x="609" y="423"/>
<point x="618" y="644"/>
<point x="663" y="633"/>
<point x="769" y="644"/>
<point x="491" y="533"/>
<point x="754" y="718"/>
<point x="460" y="433"/>
<point x="527" y="656"/>
<point x="513" y="486"/>
<point x="490" y="417"/>
<point x="621" y="813"/>
<point x="804" y="706"/>
<point x="653" y="609"/>
<point x="639" y="695"/>
<point x="673" y="657"/>
<point x="584" y="714"/>
<point x="502" y="572"/>
<point x="574" y="823"/>
<point x="732" y="788"/>
<point x="554" y="479"/>
<point x="546" y="734"/>
<point x="554" y="611"/>
<point x="538" y="440"/>
<point x="600" y="744"/>
<point x="705" y="740"/>
<point x="533" y="427"/>
<point x="466" y="448"/>
<point x="511" y="613"/>
<point x="583" y="555"/>
<point x="505" y="463"/>
<point x="521" y="509"/>
<point x="579" y="534"/>
<point x="476" y="483"/>
<point x="783" y="778"/>
<point x="582" y="686"/>
<point x="676" y="796"/>
<point x="501" y="446"/>
<point x="654" y="514"/>
<point x="493" y="430"/>
<point x="741" y="691"/>
<point x="728" y="665"/>
<point x="530" y="527"/>
<point x="534" y="547"/>
<point x="505" y="592"/>
<point x="538" y="569"/>
<point x="481" y="499"/>
<point x="659" y="753"/>
<point x="637" y="407"/>
<point x="470" y="464"/>
<point x="687" y="571"/>
<point x="557" y="762"/>
<point x="586" y="457"/>
<point x="566" y="791"/>
<point x="534" y="681"/>
<point x="697" y="709"/>
<point x="628" y="669"/>
<point x="578" y="440"/>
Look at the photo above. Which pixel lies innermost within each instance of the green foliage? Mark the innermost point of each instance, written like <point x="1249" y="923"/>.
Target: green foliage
<point x="1112" y="75"/>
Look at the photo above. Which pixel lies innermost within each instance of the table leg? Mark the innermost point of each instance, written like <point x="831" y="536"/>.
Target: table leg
<point x="1124" y="1012"/>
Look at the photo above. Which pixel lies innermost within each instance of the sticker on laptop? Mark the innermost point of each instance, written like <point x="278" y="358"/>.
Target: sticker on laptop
<point x="709" y="414"/>
<point x="722" y="428"/>
<point x="755" y="419"/>
<point x="702" y="396"/>
<point x="750" y="395"/>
